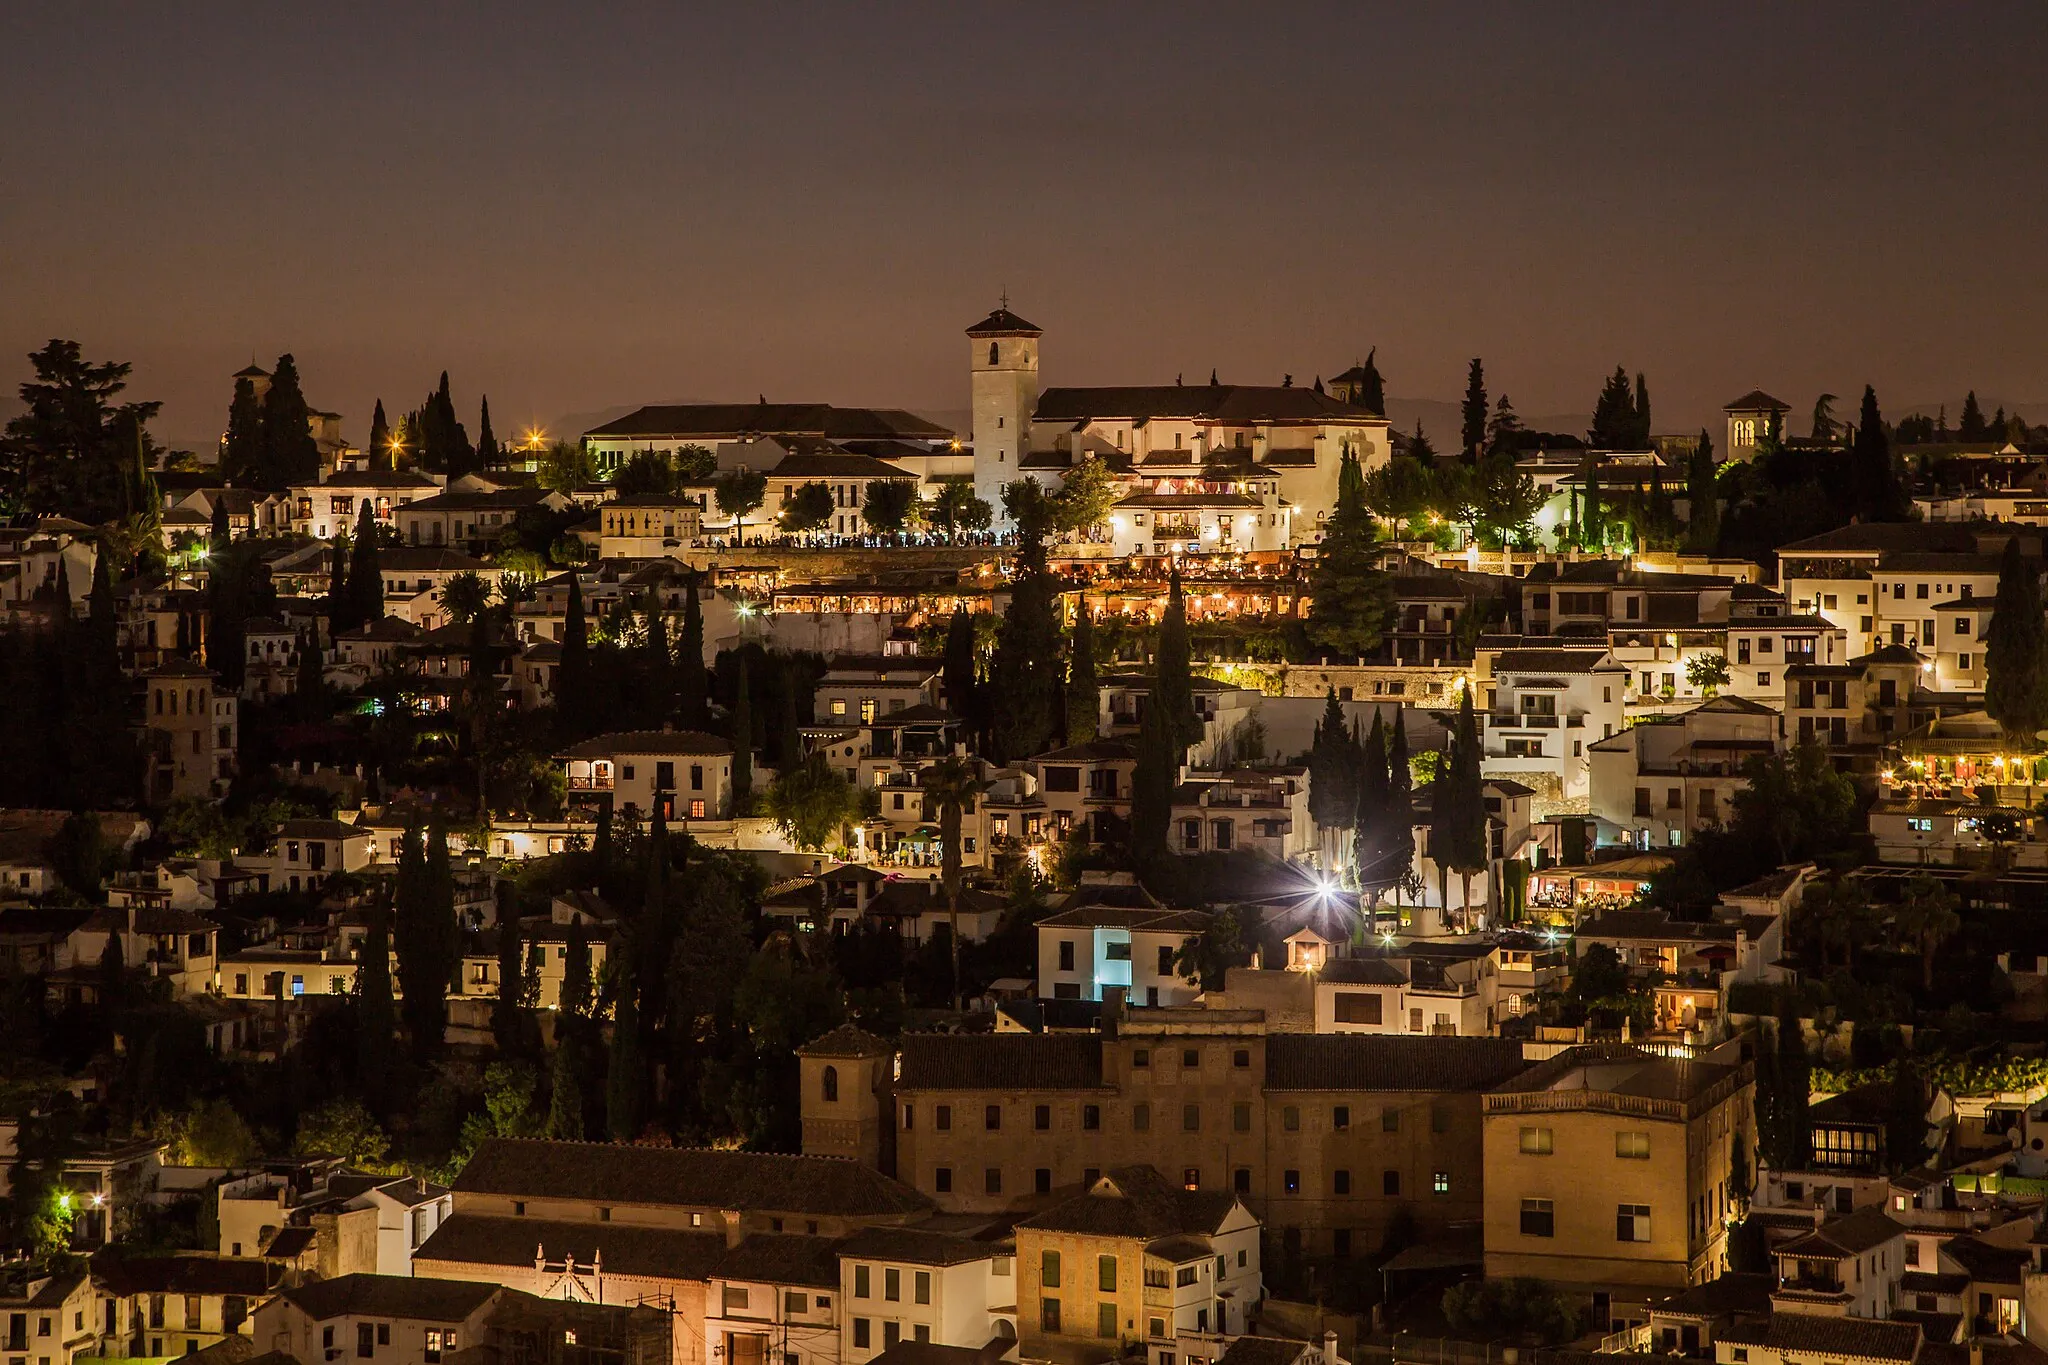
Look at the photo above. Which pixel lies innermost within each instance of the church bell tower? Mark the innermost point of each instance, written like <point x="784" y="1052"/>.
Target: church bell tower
<point x="1003" y="359"/>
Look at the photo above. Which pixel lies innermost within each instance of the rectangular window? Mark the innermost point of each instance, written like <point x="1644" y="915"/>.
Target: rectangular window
<point x="1632" y="1223"/>
<point x="1191" y="1118"/>
<point x="1340" y="1117"/>
<point x="794" y="1304"/>
<point x="861" y="1333"/>
<point x="1049" y="1315"/>
<point x="1105" y="1320"/>
<point x="1290" y="1118"/>
<point x="1538" y="1219"/>
<point x="1091" y="1118"/>
<point x="1632" y="1146"/>
<point x="992" y="1180"/>
<point x="1105" y="1274"/>
<point x="921" y="1287"/>
<point x="1390" y="1120"/>
<point x="1041" y="1117"/>
<point x="1536" y="1142"/>
<point x="1440" y="1182"/>
<point x="1291" y="1181"/>
<point x="1390" y="1183"/>
<point x="1359" y="1007"/>
<point x="942" y="1118"/>
<point x="1141" y="1117"/>
<point x="942" y="1180"/>
<point x="992" y="1117"/>
<point x="892" y="1285"/>
<point x="1049" y="1269"/>
<point x="1240" y="1117"/>
<point x="862" y="1287"/>
<point x="366" y="1340"/>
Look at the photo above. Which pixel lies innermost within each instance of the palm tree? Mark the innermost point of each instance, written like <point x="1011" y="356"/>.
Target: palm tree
<point x="1926" y="918"/>
<point x="464" y="597"/>
<point x="950" y="786"/>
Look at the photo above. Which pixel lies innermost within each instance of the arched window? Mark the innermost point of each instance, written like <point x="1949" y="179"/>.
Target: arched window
<point x="831" y="1084"/>
<point x="992" y="353"/>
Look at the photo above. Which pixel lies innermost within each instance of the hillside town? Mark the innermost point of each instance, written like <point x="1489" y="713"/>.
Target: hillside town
<point x="754" y="883"/>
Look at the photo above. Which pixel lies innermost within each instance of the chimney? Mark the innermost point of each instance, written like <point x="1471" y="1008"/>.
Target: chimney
<point x="1820" y="1213"/>
<point x="1330" y="1349"/>
<point x="734" y="1233"/>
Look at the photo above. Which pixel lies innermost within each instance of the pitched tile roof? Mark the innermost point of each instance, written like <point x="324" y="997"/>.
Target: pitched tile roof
<point x="734" y="420"/>
<point x="848" y="1040"/>
<point x="1136" y="1201"/>
<point x="610" y="1173"/>
<point x="682" y="742"/>
<point x="1813" y="1334"/>
<point x="1230" y="404"/>
<point x="1004" y="1061"/>
<point x="916" y="1246"/>
<point x="1850" y="1235"/>
<point x="1363" y="1061"/>
<point x="1265" y="1351"/>
<point x="1756" y="400"/>
<point x="391" y="1296"/>
<point x="781" y="1258"/>
<point x="1003" y="322"/>
<point x="480" y="1240"/>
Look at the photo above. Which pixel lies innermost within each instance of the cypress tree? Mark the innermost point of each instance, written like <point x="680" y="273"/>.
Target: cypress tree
<point x="2016" y="650"/>
<point x="572" y="678"/>
<point x="565" y="1105"/>
<point x="506" y="1021"/>
<point x="1592" y="516"/>
<point x="1373" y="392"/>
<point x="337" y="587"/>
<point x="242" y="454"/>
<point x="690" y="682"/>
<point x="375" y="1019"/>
<point x="218" y="536"/>
<point x="1879" y="495"/>
<point x="789" y="744"/>
<point x="1971" y="428"/>
<point x="365" y="573"/>
<point x="1373" y="792"/>
<point x="742" y="735"/>
<point x="1152" y="789"/>
<point x="625" y="1077"/>
<point x="1702" y="495"/>
<point x="1084" y="695"/>
<point x="290" y="454"/>
<point x="425" y="937"/>
<point x="1614" y="414"/>
<point x="380" y="440"/>
<point x="1473" y="430"/>
<point x="1173" y="689"/>
<point x="1351" y="597"/>
<point x="1465" y="847"/>
<point x="658" y="663"/>
<point x="488" y="455"/>
<point x="1399" y="857"/>
<point x="1332" y="797"/>
<point x="1642" y="412"/>
<point x="1025" y="675"/>
<point x="957" y="669"/>
<point x="574" y="1001"/>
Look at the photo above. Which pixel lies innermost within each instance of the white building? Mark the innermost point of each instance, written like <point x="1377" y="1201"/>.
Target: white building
<point x="908" y="1284"/>
<point x="1544" y="707"/>
<point x="1664" y="779"/>
<point x="1087" y="950"/>
<point x="687" y="771"/>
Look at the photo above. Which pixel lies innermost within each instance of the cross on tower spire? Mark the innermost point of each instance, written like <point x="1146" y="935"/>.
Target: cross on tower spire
<point x="1004" y="298"/>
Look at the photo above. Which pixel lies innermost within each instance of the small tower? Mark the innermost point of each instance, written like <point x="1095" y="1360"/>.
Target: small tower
<point x="1749" y="421"/>
<point x="1003" y="358"/>
<point x="846" y="1087"/>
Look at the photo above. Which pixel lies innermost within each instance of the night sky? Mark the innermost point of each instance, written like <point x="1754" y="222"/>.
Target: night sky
<point x="576" y="207"/>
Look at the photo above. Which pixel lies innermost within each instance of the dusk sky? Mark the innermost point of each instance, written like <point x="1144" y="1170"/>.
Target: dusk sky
<point x="574" y="208"/>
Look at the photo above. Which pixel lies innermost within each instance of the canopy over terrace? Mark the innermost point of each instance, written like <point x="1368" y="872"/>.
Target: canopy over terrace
<point x="1965" y="752"/>
<point x="1593" y="886"/>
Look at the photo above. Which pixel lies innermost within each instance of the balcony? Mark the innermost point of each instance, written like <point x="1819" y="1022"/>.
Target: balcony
<point x="590" y="784"/>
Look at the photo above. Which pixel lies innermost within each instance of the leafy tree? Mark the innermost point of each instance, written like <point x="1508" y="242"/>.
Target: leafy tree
<point x="958" y="508"/>
<point x="1503" y="429"/>
<point x="1824" y="417"/>
<point x="1400" y="491"/>
<point x="1516" y="1308"/>
<point x="887" y="505"/>
<point x="1796" y="802"/>
<point x="1923" y="920"/>
<point x="1472" y="434"/>
<point x="1839" y="913"/>
<point x="1506" y="499"/>
<point x="290" y="455"/>
<point x="343" y="1128"/>
<point x="213" y="1133"/>
<point x="1084" y="695"/>
<point x="2016" y="650"/>
<point x="1085" y="497"/>
<point x="1202" y="959"/>
<point x="566" y="467"/>
<point x="365" y="574"/>
<point x="695" y="463"/>
<point x="738" y="492"/>
<point x="71" y="451"/>
<point x="1352" y="598"/>
<point x="950" y="786"/>
<point x="573" y="677"/>
<point x="646" y="473"/>
<point x="1707" y="672"/>
<point x="808" y="508"/>
<point x="241" y="453"/>
<point x="1419" y="447"/>
<point x="811" y="802"/>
